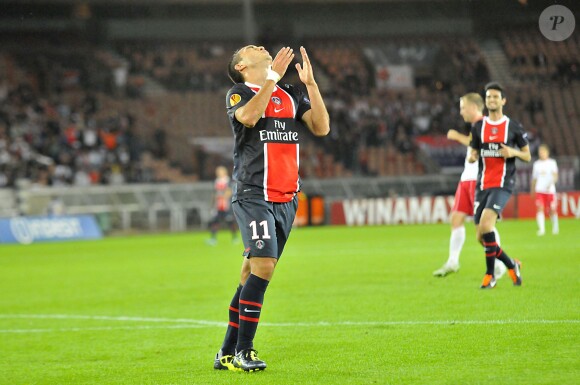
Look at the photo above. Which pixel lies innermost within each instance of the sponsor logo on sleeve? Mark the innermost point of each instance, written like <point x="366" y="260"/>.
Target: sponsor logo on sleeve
<point x="235" y="99"/>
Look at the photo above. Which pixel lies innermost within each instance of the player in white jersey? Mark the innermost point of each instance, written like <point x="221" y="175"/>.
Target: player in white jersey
<point x="471" y="109"/>
<point x="544" y="179"/>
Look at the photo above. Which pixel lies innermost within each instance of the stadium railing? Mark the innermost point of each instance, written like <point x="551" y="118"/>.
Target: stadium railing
<point x="173" y="207"/>
<point x="179" y="207"/>
<point x="8" y="205"/>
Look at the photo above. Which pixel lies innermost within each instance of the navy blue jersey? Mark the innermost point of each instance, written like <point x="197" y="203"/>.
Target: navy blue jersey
<point x="487" y="135"/>
<point x="266" y="156"/>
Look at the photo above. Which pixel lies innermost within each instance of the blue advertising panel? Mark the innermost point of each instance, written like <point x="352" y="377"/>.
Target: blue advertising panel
<point x="26" y="230"/>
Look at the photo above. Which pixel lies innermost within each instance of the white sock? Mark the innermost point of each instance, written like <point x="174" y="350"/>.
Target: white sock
<point x="541" y="222"/>
<point x="455" y="245"/>
<point x="497" y="236"/>
<point x="555" y="228"/>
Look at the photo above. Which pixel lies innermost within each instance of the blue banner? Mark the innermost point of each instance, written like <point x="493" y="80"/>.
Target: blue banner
<point x="27" y="230"/>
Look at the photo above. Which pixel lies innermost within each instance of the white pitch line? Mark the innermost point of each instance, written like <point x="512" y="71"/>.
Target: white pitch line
<point x="76" y="329"/>
<point x="186" y="323"/>
<point x="112" y="318"/>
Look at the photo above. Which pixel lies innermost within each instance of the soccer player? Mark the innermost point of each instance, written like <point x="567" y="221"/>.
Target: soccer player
<point x="493" y="141"/>
<point x="264" y="118"/>
<point x="223" y="207"/>
<point x="471" y="109"/>
<point x="544" y="179"/>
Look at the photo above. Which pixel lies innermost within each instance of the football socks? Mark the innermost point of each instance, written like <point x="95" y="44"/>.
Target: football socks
<point x="251" y="300"/>
<point x="491" y="247"/>
<point x="229" y="345"/>
<point x="502" y="256"/>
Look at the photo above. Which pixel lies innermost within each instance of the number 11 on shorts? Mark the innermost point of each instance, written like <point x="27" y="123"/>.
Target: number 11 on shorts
<point x="264" y="225"/>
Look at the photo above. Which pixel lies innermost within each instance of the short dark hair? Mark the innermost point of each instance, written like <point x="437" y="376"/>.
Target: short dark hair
<point x="235" y="75"/>
<point x="495" y="86"/>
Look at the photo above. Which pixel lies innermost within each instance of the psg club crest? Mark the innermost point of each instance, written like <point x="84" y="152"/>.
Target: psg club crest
<point x="276" y="100"/>
<point x="260" y="244"/>
<point x="494" y="130"/>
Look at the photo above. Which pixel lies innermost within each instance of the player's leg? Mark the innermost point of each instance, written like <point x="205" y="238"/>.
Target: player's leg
<point x="224" y="358"/>
<point x="540" y="218"/>
<point x="497" y="200"/>
<point x="456" y="241"/>
<point x="213" y="229"/>
<point x="500" y="268"/>
<point x="457" y="238"/>
<point x="553" y="205"/>
<point x="487" y="235"/>
<point x="258" y="228"/>
<point x="482" y="226"/>
<point x="462" y="207"/>
<point x="251" y="302"/>
<point x="272" y="243"/>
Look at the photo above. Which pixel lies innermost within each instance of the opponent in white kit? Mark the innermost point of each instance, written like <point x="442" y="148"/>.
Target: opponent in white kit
<point x="544" y="179"/>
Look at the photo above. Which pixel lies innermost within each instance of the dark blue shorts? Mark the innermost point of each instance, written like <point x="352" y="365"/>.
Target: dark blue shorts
<point x="265" y="226"/>
<point x="493" y="198"/>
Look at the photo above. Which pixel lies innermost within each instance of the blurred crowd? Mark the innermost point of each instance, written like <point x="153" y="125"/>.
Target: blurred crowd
<point x="54" y="131"/>
<point x="365" y="116"/>
<point x="54" y="142"/>
<point x="180" y="67"/>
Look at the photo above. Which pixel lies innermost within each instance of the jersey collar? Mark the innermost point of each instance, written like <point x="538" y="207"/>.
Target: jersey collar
<point x="501" y="120"/>
<point x="252" y="85"/>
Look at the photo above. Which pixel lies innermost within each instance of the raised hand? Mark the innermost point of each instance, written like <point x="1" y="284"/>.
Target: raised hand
<point x="305" y="71"/>
<point x="282" y="60"/>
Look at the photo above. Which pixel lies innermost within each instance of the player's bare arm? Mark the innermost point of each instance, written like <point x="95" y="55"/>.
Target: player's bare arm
<point x="510" y="152"/>
<point x="250" y="113"/>
<point x="316" y="119"/>
<point x="474" y="156"/>
<point x="458" y="137"/>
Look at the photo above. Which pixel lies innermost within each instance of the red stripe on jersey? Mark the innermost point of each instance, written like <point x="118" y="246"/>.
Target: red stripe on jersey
<point x="251" y="303"/>
<point x="281" y="105"/>
<point x="280" y="171"/>
<point x="494" y="169"/>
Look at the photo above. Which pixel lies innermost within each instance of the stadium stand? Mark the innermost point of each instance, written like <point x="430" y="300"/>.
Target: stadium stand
<point x="78" y="113"/>
<point x="551" y="114"/>
<point x="54" y="131"/>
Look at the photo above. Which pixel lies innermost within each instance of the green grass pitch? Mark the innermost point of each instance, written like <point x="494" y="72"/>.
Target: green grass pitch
<point x="346" y="306"/>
